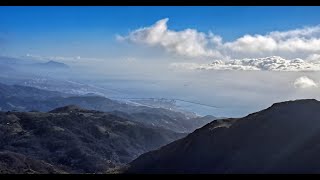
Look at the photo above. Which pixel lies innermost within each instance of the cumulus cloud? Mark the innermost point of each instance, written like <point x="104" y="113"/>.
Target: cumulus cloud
<point x="273" y="63"/>
<point x="294" y="42"/>
<point x="189" y="42"/>
<point x="304" y="82"/>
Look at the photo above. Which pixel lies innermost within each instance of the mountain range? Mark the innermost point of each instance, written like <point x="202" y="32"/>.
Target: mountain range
<point x="99" y="135"/>
<point x="24" y="98"/>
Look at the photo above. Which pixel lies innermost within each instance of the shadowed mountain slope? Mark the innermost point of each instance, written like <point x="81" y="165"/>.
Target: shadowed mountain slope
<point x="283" y="138"/>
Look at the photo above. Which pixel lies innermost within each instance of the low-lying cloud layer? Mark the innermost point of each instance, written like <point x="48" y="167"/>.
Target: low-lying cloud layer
<point x="273" y="63"/>
<point x="301" y="43"/>
<point x="76" y="60"/>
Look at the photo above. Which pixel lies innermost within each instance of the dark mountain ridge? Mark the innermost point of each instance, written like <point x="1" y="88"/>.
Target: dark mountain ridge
<point x="280" y="139"/>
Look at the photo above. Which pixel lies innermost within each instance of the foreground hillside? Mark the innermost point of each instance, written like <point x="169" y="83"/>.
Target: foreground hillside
<point x="283" y="138"/>
<point x="73" y="140"/>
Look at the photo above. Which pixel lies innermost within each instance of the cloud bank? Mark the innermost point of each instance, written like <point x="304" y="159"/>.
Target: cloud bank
<point x="273" y="63"/>
<point x="304" y="82"/>
<point x="302" y="43"/>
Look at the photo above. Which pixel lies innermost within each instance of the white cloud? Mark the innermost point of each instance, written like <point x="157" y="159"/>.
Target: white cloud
<point x="188" y="42"/>
<point x="272" y="63"/>
<point x="304" y="32"/>
<point x="252" y="44"/>
<point x="304" y="82"/>
<point x="305" y="40"/>
<point x="298" y="43"/>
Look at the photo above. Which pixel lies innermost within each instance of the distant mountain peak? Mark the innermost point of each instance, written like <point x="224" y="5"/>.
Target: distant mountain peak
<point x="53" y="64"/>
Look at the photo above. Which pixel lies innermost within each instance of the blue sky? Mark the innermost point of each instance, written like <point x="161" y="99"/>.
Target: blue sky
<point x="90" y="31"/>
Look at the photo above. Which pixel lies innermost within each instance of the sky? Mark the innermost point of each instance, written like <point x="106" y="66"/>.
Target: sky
<point x="240" y="58"/>
<point x="74" y="29"/>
